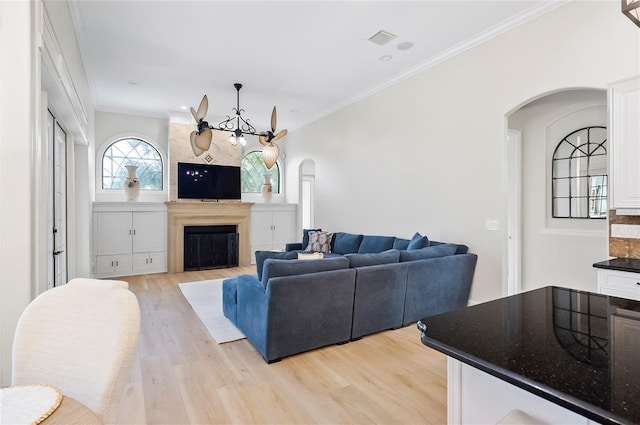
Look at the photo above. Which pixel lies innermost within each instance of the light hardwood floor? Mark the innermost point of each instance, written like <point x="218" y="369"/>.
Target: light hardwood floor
<point x="182" y="376"/>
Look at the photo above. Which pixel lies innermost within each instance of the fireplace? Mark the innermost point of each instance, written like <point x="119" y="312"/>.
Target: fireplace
<point x="182" y="214"/>
<point x="210" y="247"/>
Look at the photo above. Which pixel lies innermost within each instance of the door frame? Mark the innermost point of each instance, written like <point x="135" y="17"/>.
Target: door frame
<point x="514" y="211"/>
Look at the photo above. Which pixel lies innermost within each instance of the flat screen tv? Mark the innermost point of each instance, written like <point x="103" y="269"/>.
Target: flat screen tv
<point x="208" y="182"/>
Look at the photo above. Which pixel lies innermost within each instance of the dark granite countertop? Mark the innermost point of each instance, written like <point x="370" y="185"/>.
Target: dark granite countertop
<point x="578" y="349"/>
<point x="622" y="264"/>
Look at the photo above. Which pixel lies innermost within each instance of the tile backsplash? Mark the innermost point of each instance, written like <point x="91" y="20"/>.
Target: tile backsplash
<point x="623" y="247"/>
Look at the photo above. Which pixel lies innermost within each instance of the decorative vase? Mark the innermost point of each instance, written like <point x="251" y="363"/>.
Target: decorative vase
<point x="267" y="189"/>
<point x="132" y="184"/>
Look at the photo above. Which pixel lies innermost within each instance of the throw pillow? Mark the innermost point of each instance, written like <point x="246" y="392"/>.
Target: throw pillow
<point x="428" y="252"/>
<point x="418" y="242"/>
<point x="305" y="236"/>
<point x="319" y="241"/>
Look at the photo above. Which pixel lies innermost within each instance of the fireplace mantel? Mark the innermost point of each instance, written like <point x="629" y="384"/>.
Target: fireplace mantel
<point x="198" y="213"/>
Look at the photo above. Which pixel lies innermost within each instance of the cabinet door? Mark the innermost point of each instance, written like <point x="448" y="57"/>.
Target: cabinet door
<point x="113" y="233"/>
<point x="111" y="265"/>
<point x="157" y="261"/>
<point x="123" y="264"/>
<point x="149" y="231"/>
<point x="284" y="230"/>
<point x="624" y="103"/>
<point x="261" y="228"/>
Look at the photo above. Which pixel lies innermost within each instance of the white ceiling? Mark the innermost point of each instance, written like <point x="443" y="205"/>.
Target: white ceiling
<point x="307" y="57"/>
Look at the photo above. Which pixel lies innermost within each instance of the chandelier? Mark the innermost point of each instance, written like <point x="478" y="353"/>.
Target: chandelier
<point x="631" y="8"/>
<point x="239" y="127"/>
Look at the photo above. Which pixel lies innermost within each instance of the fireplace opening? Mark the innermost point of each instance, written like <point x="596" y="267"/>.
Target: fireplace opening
<point x="210" y="247"/>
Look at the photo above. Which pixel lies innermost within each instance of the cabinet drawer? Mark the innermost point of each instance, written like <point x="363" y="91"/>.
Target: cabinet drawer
<point x="619" y="284"/>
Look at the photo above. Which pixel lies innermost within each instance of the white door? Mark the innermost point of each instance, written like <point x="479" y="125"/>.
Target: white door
<point x="50" y="203"/>
<point x="58" y="190"/>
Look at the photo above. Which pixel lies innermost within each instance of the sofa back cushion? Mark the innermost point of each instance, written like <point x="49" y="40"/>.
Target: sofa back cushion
<point x="261" y="256"/>
<point x="400" y="243"/>
<point x="275" y="268"/>
<point x="346" y="243"/>
<point x="373" y="259"/>
<point x="462" y="249"/>
<point x="375" y="244"/>
<point x="442" y="250"/>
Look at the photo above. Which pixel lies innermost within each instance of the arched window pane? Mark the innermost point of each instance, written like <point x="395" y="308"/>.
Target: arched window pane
<point x="579" y="174"/>
<point x="131" y="151"/>
<point x="253" y="171"/>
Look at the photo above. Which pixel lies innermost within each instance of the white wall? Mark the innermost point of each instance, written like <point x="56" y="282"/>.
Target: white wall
<point x="428" y="154"/>
<point x="21" y="154"/>
<point x="556" y="251"/>
<point x="110" y="127"/>
<point x="16" y="183"/>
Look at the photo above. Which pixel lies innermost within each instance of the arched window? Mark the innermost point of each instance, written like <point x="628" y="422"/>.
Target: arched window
<point x="131" y="151"/>
<point x="253" y="171"/>
<point x="579" y="174"/>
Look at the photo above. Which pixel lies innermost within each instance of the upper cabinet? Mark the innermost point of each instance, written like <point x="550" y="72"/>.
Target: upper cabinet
<point x="624" y="146"/>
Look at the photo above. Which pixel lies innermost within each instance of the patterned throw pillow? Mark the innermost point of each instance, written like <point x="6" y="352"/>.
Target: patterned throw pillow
<point x="319" y="241"/>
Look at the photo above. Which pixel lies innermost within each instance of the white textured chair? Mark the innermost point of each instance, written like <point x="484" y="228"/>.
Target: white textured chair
<point x="82" y="338"/>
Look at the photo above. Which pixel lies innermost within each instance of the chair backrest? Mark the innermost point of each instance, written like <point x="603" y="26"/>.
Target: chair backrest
<point x="82" y="338"/>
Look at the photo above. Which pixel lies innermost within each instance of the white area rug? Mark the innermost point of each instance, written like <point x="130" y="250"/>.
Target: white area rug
<point x="206" y="299"/>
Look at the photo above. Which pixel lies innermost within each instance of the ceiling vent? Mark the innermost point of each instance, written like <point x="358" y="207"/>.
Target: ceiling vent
<point x="382" y="37"/>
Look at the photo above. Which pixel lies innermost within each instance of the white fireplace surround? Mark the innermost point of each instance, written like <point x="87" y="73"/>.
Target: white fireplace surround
<point x="198" y="213"/>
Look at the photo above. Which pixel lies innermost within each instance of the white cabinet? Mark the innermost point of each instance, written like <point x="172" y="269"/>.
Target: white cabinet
<point x="475" y="397"/>
<point x="624" y="146"/>
<point x="272" y="227"/>
<point x="619" y="284"/>
<point x="129" y="238"/>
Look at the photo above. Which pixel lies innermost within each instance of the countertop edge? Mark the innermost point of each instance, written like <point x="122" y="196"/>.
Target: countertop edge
<point x="571" y="403"/>
<point x="630" y="265"/>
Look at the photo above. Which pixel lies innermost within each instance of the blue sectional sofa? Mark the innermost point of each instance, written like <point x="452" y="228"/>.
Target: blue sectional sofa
<point x="292" y="305"/>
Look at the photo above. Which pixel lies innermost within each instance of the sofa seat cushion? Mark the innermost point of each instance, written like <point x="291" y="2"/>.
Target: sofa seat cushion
<point x="418" y="242"/>
<point x="373" y="259"/>
<point x="428" y="252"/>
<point x="277" y="268"/>
<point x="346" y="243"/>
<point x="261" y="256"/>
<point x="371" y="244"/>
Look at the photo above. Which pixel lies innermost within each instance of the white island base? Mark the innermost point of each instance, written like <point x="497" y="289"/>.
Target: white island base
<point x="475" y="397"/>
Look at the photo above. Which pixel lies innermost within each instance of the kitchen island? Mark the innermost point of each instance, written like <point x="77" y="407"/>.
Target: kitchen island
<point x="559" y="355"/>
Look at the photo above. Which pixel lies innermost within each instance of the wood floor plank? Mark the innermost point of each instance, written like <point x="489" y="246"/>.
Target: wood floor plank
<point x="182" y="376"/>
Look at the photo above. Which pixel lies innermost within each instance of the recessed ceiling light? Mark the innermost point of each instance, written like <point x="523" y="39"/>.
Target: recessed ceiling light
<point x="183" y="107"/>
<point x="382" y="37"/>
<point x="133" y="82"/>
<point x="293" y="110"/>
<point x="386" y="58"/>
<point x="406" y="45"/>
